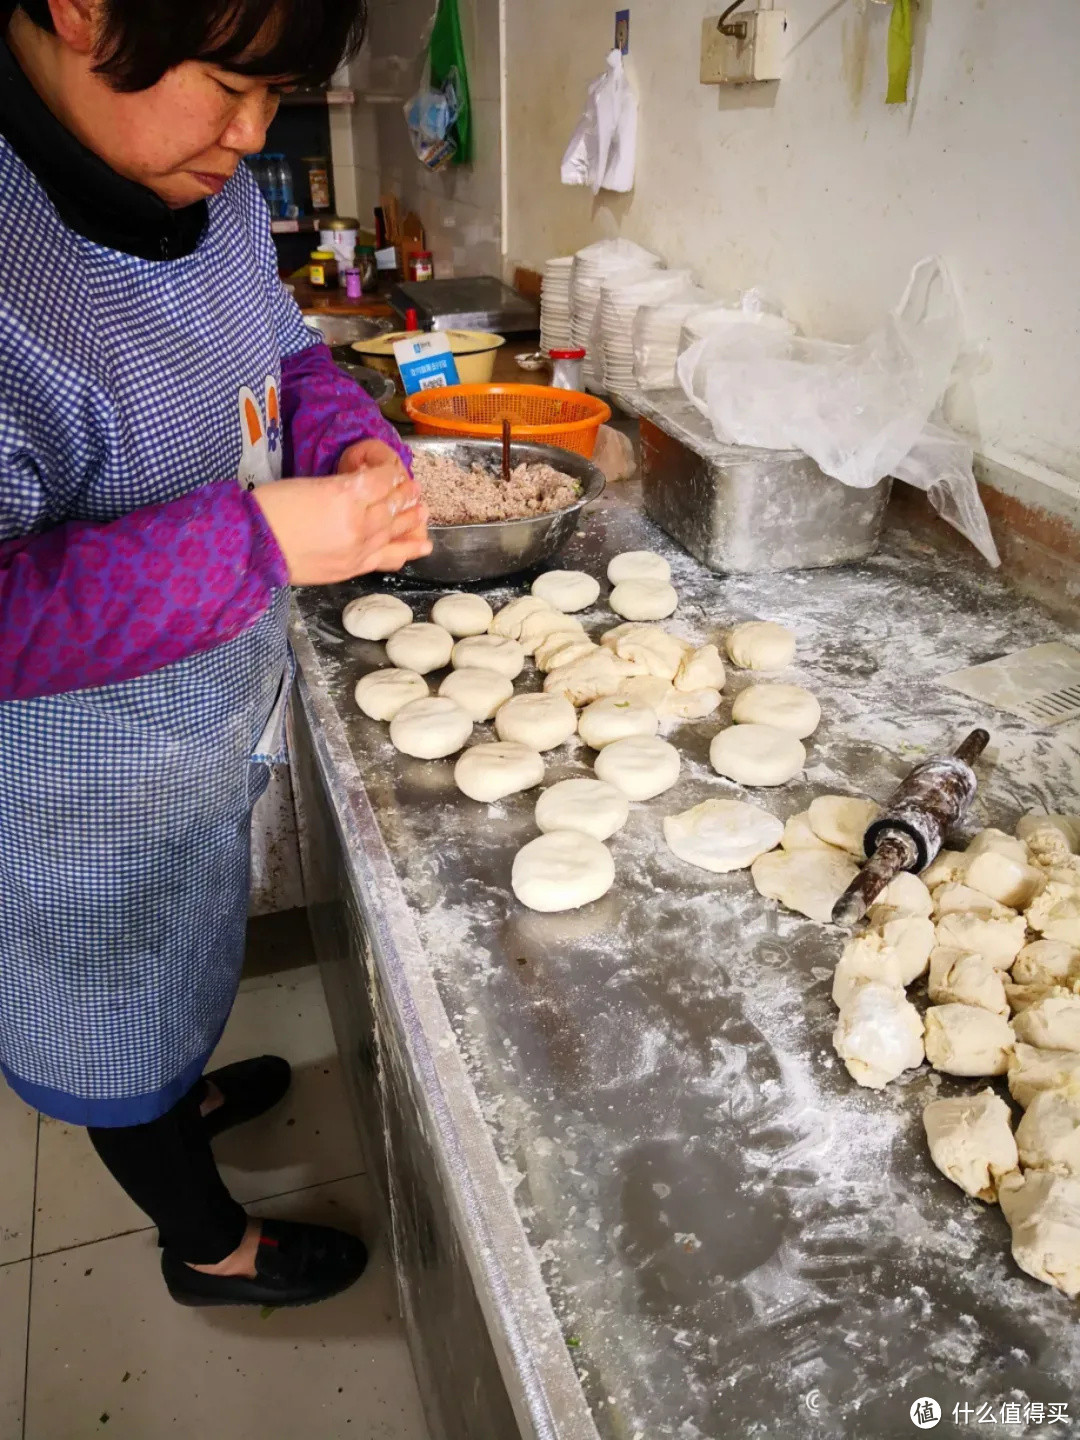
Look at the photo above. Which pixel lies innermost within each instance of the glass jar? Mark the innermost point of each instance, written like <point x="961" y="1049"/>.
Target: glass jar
<point x="323" y="270"/>
<point x="421" y="265"/>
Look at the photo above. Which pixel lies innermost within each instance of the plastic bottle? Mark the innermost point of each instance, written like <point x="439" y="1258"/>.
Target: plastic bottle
<point x="289" y="209"/>
<point x="273" y="185"/>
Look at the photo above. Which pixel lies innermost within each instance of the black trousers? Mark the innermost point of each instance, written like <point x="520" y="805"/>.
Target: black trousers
<point x="168" y="1169"/>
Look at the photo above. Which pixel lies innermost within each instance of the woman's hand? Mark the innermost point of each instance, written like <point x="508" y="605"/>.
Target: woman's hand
<point x="335" y="527"/>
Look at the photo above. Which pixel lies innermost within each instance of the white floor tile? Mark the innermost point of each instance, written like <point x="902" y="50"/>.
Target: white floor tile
<point x="77" y="1199"/>
<point x="18" y="1143"/>
<point x="106" y="1340"/>
<point x="14" y="1305"/>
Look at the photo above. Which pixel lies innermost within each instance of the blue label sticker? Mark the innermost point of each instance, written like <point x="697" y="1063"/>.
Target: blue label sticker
<point x="426" y="363"/>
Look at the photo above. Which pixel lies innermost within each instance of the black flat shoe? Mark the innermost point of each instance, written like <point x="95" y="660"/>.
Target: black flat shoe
<point x="296" y="1264"/>
<point x="250" y="1088"/>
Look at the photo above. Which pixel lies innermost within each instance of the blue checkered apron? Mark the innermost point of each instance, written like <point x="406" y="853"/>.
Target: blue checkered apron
<point x="125" y="809"/>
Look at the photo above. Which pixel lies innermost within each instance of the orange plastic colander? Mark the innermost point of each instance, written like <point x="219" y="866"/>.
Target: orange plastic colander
<point x="539" y="414"/>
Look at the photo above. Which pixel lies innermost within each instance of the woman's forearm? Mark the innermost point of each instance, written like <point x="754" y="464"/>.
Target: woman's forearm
<point x="324" y="412"/>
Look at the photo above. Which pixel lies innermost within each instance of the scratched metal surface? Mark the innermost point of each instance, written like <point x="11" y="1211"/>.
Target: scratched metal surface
<point x="737" y="1240"/>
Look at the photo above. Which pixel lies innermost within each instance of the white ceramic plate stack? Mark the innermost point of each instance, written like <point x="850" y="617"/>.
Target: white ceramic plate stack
<point x="592" y="266"/>
<point x="555" y="305"/>
<point x="657" y="329"/>
<point x="620" y="300"/>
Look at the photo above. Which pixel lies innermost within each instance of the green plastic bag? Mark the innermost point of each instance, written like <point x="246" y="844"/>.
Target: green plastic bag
<point x="447" y="53"/>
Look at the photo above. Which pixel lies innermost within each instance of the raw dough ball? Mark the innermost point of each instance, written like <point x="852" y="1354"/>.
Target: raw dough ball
<point x="462" y="614"/>
<point x="956" y="978"/>
<point x="640" y="766"/>
<point x="690" y="704"/>
<point x="539" y="627"/>
<point x="1048" y="1136"/>
<point x="566" y="590"/>
<point x="430" y="729"/>
<point x="999" y="940"/>
<point x="595" y="675"/>
<point x="960" y="899"/>
<point x="897" y="957"/>
<point x="1005" y="879"/>
<point x="648" y="690"/>
<point x="1050" y="839"/>
<point x="911" y="938"/>
<point x="588" y="807"/>
<point x="971" y="1141"/>
<point x="375" y="617"/>
<point x="562" y="648"/>
<point x="757" y="755"/>
<point x="562" y="870"/>
<point x="798" y="835"/>
<point x="843" y="820"/>
<point x="383" y="693"/>
<point x="652" y="650"/>
<point x="761" y="645"/>
<point x="996" y="842"/>
<point x="1031" y="1071"/>
<point x="480" y="693"/>
<point x="1022" y="997"/>
<point x="491" y="772"/>
<point x="906" y="895"/>
<point x="702" y="669"/>
<point x="1043" y="1212"/>
<point x="509" y="620"/>
<point x="422" y="648"/>
<point x="644" y="599"/>
<point x="878" y="1035"/>
<point x="638" y="565"/>
<point x="1052" y="1023"/>
<point x="614" y="718"/>
<point x="808" y="881"/>
<point x="1046" y="962"/>
<point x="963" y="1040"/>
<point x="784" y="707"/>
<point x="947" y="869"/>
<point x="489" y="652"/>
<point x="722" y="835"/>
<point x="1055" y="913"/>
<point x="541" y="721"/>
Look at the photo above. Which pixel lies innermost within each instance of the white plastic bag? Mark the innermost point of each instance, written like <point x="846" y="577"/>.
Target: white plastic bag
<point x="861" y="411"/>
<point x="656" y="333"/>
<point x="603" y="147"/>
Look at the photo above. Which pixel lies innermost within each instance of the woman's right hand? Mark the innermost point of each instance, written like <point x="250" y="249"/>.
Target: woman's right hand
<point x="335" y="527"/>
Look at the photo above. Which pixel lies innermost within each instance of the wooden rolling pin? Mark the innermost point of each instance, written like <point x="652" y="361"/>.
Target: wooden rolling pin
<point x="932" y="799"/>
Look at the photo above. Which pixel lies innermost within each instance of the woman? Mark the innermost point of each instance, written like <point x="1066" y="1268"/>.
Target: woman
<point x="150" y="359"/>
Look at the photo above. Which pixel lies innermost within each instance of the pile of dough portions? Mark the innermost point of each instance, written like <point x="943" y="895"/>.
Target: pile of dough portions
<point x="614" y="693"/>
<point x="995" y="929"/>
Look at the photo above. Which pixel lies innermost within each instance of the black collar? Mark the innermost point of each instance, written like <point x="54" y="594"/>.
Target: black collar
<point x="91" y="199"/>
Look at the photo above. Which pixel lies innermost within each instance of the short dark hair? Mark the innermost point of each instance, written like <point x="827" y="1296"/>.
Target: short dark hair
<point x="142" y="39"/>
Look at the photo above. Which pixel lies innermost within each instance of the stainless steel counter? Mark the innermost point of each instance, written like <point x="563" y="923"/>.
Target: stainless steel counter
<point x="736" y="1240"/>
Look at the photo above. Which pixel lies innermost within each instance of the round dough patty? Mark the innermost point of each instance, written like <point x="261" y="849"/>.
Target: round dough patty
<point x="638" y="565"/>
<point x="761" y="645"/>
<point x="489" y="652"/>
<point x="566" y="590"/>
<point x="419" y="647"/>
<point x="784" y="707"/>
<point x="541" y="721"/>
<point x="722" y="835"/>
<point x="480" y="693"/>
<point x="375" y="617"/>
<point x="590" y="807"/>
<point x="430" y="729"/>
<point x="757" y="755"/>
<point x="562" y="870"/>
<point x="641" y="766"/>
<point x="644" y="599"/>
<point x="383" y="693"/>
<point x="616" y="717"/>
<point x="462" y="614"/>
<point x="491" y="772"/>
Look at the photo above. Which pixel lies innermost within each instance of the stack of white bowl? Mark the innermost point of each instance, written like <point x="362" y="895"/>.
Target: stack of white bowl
<point x="555" y="304"/>
<point x="657" y="329"/>
<point x="620" y="300"/>
<point x="592" y="266"/>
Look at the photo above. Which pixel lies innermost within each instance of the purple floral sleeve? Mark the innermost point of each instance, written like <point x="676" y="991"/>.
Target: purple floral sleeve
<point x="325" y="412"/>
<point x="84" y="604"/>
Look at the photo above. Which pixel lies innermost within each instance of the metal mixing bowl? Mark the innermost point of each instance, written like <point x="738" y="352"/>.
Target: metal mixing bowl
<point x="344" y="329"/>
<point x="380" y="387"/>
<point x="465" y="553"/>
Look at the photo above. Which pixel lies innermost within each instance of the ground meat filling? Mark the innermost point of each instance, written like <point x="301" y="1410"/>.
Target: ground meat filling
<point x="456" y="496"/>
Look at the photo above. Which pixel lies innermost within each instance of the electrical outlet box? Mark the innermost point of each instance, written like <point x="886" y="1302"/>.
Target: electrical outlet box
<point x="743" y="59"/>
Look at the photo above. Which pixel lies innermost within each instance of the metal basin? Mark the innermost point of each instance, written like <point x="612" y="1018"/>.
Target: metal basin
<point x="465" y="553"/>
<point x="345" y="329"/>
<point x="380" y="387"/>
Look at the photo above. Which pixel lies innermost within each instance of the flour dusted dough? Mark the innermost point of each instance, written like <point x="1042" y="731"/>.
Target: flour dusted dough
<point x="1052" y="1023"/>
<point x="430" y="729"/>
<point x="375" y="617"/>
<point x="562" y="870"/>
<point x="562" y="648"/>
<point x="537" y="629"/>
<point x="690" y="704"/>
<point x="1049" y="839"/>
<point x="383" y="693"/>
<point x="566" y="590"/>
<point x="904" y="895"/>
<point x="1043" y="1212"/>
<point x="640" y="766"/>
<point x="1005" y="879"/>
<point x="961" y="899"/>
<point x="999" y="940"/>
<point x="540" y="721"/>
<point x="701" y="669"/>
<point x="1046" y="962"/>
<point x="420" y="647"/>
<point x="722" y="835"/>
<point x="1055" y="914"/>
<point x="509" y="620"/>
<point x="595" y="675"/>
<point x="638" y="565"/>
<point x="480" y="693"/>
<point x="971" y="1141"/>
<point x="964" y="1040"/>
<point x="757" y="755"/>
<point x="911" y="937"/>
<point x="785" y="707"/>
<point x="947" y="869"/>
<point x="489" y="652"/>
<point x="589" y="807"/>
<point x="799" y="835"/>
<point x="956" y="978"/>
<point x="651" y="650"/>
<point x="648" y="690"/>
<point x="1031" y="1071"/>
<point x="807" y="881"/>
<point x="1048" y="1136"/>
<point x="996" y="842"/>
<point x="490" y="772"/>
<point x="878" y="1035"/>
<point x="761" y="645"/>
<point x="644" y="599"/>
<point x="865" y="958"/>
<point x="615" y="717"/>
<point x="843" y="820"/>
<point x="462" y="614"/>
